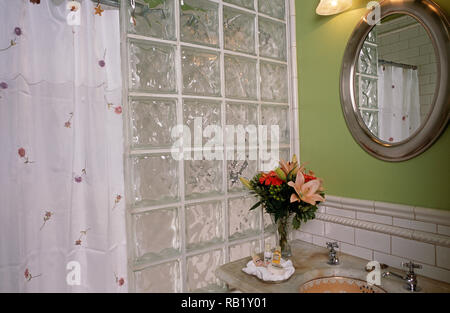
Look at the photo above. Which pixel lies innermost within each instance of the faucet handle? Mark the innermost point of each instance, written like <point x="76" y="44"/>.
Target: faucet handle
<point x="332" y="244"/>
<point x="411" y="265"/>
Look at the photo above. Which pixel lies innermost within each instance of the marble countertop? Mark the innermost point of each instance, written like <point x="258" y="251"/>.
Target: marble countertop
<point x="310" y="262"/>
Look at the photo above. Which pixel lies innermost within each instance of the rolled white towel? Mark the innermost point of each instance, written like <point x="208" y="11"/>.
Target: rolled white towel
<point x="271" y="273"/>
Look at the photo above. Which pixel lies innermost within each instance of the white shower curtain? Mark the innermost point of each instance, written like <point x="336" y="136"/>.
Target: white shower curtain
<point x="61" y="195"/>
<point x="398" y="102"/>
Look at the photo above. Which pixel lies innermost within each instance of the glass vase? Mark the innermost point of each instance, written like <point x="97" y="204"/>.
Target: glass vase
<point x="284" y="227"/>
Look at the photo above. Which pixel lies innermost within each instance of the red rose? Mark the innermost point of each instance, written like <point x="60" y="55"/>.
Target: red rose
<point x="118" y="110"/>
<point x="276" y="181"/>
<point x="270" y="178"/>
<point x="309" y="177"/>
<point x="121" y="281"/>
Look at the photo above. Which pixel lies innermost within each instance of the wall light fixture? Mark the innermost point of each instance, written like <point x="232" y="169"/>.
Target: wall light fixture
<point x="330" y="7"/>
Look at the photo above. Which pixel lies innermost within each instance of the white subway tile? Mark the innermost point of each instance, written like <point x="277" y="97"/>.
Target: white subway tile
<point x="444" y="230"/>
<point x="320" y="241"/>
<point x="302" y="236"/>
<point x="426" y="270"/>
<point x="443" y="257"/>
<point x="426" y="50"/>
<point x="415" y="250"/>
<point x="373" y="240"/>
<point x="340" y="212"/>
<point x="416" y="225"/>
<point x="383" y="219"/>
<point x="314" y="227"/>
<point x="391" y="260"/>
<point x="356" y="251"/>
<point x="340" y="232"/>
<point x="434" y="273"/>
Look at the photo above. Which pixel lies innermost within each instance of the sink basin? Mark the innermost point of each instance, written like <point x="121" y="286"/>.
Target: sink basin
<point x="338" y="284"/>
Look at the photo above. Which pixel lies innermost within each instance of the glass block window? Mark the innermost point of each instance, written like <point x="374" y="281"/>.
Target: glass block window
<point x="366" y="82"/>
<point x="227" y="62"/>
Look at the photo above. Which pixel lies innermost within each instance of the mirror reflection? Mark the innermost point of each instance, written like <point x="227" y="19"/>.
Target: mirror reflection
<point x="395" y="78"/>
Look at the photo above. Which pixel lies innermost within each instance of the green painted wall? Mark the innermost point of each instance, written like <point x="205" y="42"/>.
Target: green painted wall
<point x="325" y="142"/>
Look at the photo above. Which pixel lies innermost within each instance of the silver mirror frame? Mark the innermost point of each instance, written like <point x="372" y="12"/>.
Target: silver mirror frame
<point x="436" y="23"/>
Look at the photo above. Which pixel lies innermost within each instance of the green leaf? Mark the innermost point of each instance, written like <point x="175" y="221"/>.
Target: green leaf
<point x="290" y="175"/>
<point x="245" y="182"/>
<point x="296" y="222"/>
<point x="257" y="204"/>
<point x="281" y="175"/>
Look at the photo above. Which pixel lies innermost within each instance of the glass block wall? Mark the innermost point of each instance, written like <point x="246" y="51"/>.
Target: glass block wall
<point x="229" y="63"/>
<point x="366" y="91"/>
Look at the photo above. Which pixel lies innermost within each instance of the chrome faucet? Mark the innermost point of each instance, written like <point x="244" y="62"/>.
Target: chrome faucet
<point x="410" y="278"/>
<point x="333" y="259"/>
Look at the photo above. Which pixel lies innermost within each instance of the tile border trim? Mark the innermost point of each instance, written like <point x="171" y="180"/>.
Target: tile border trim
<point x="432" y="238"/>
<point x="441" y="217"/>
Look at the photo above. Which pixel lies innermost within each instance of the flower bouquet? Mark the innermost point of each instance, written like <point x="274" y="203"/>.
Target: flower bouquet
<point x="289" y="195"/>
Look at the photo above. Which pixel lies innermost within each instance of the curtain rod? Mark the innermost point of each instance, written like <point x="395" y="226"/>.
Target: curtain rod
<point x="414" y="67"/>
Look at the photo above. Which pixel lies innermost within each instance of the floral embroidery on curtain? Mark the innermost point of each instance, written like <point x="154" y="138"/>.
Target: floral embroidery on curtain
<point x="62" y="149"/>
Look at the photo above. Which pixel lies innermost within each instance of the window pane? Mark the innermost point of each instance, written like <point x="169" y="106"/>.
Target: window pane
<point x="274" y="8"/>
<point x="152" y="121"/>
<point x="239" y="30"/>
<point x="201" y="271"/>
<point x="156" y="20"/>
<point x="274" y="83"/>
<point x="240" y="77"/>
<point x="199" y="22"/>
<point x="243" y="223"/>
<point x="204" y="224"/>
<point x="155" y="179"/>
<point x="157" y="234"/>
<point x="167" y="275"/>
<point x="272" y="39"/>
<point x="201" y="72"/>
<point x="152" y="67"/>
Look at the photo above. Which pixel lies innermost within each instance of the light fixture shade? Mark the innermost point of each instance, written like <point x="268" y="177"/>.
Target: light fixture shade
<point x="330" y="7"/>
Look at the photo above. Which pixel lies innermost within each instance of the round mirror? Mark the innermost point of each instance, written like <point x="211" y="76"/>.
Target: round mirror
<point x="394" y="79"/>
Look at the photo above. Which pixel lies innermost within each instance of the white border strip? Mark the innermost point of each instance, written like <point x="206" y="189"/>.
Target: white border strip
<point x="436" y="239"/>
<point x="441" y="217"/>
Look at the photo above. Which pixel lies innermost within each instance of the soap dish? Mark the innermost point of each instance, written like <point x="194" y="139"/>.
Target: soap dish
<point x="271" y="274"/>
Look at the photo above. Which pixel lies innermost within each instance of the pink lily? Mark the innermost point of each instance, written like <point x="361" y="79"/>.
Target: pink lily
<point x="289" y="167"/>
<point x="306" y="192"/>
